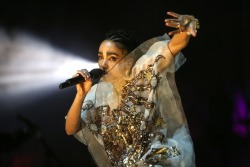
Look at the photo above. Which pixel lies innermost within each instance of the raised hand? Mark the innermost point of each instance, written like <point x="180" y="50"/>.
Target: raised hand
<point x="183" y="23"/>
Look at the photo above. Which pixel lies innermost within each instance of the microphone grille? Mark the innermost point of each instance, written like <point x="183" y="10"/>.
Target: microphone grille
<point x="97" y="73"/>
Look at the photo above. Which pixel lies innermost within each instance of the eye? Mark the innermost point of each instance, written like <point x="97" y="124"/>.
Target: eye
<point x="100" y="57"/>
<point x="113" y="58"/>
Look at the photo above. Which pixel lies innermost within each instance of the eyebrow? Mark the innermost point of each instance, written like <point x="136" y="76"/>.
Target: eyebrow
<point x="109" y="53"/>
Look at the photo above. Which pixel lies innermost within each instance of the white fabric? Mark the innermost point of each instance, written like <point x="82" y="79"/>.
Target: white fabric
<point x="164" y="95"/>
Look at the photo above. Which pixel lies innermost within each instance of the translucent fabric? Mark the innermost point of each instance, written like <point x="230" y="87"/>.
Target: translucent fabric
<point x="134" y="116"/>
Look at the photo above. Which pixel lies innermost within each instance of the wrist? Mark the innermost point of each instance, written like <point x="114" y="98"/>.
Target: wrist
<point x="80" y="95"/>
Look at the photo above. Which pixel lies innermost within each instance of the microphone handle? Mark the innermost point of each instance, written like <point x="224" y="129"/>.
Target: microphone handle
<point x="72" y="81"/>
<point x="95" y="74"/>
<point x="75" y="80"/>
<point x="64" y="85"/>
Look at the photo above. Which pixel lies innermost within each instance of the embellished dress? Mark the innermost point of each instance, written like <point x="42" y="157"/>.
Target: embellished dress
<point x="134" y="117"/>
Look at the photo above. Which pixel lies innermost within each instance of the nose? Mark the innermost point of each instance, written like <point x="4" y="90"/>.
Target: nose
<point x="104" y="65"/>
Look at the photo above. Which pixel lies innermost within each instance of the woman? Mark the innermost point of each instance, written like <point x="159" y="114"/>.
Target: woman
<point x="134" y="116"/>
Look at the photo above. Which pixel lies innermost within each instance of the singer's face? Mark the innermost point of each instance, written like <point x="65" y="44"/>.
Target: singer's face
<point x="110" y="54"/>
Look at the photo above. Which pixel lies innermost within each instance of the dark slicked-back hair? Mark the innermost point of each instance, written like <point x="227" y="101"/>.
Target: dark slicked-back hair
<point x="123" y="37"/>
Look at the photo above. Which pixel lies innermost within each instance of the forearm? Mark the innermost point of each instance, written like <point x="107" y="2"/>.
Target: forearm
<point x="171" y="49"/>
<point x="178" y="42"/>
<point x="73" y="119"/>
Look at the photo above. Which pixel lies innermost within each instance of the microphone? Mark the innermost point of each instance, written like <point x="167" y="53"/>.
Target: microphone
<point x="95" y="75"/>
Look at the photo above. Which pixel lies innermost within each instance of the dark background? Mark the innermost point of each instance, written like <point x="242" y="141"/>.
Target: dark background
<point x="214" y="82"/>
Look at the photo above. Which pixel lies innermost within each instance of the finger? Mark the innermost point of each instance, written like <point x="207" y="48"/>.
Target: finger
<point x="176" y="15"/>
<point x="84" y="70"/>
<point x="171" y="20"/>
<point x="84" y="73"/>
<point x="172" y="24"/>
<point x="193" y="34"/>
<point x="75" y="75"/>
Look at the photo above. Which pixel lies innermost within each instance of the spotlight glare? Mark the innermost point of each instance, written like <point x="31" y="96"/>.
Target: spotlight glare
<point x="29" y="65"/>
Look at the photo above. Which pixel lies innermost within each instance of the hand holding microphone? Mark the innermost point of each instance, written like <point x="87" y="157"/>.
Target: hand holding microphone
<point x="94" y="74"/>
